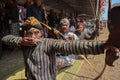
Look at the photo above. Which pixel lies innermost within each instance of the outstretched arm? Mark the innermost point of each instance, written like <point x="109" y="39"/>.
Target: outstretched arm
<point x="79" y="47"/>
<point x="11" y="40"/>
<point x="18" y="41"/>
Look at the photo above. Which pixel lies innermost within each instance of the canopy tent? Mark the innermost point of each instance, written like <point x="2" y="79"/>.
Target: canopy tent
<point x="89" y="7"/>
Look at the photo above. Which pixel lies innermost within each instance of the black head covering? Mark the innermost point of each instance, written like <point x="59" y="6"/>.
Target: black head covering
<point x="27" y="27"/>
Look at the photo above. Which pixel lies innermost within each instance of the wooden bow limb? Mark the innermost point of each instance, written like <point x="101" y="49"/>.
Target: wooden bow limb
<point x="101" y="73"/>
<point x="88" y="63"/>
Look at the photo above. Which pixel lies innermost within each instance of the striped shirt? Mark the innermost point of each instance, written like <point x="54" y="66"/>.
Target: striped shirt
<point x="40" y="59"/>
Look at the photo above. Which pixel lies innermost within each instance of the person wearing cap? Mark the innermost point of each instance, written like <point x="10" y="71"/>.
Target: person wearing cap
<point x="84" y="33"/>
<point x="40" y="53"/>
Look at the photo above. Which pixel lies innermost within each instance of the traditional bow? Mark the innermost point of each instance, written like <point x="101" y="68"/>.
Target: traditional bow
<point x="112" y="54"/>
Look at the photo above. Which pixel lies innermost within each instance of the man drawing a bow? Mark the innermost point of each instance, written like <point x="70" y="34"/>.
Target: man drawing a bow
<point x="39" y="53"/>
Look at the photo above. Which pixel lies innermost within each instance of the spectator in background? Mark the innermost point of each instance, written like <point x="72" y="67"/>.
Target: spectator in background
<point x="72" y="22"/>
<point x="51" y="18"/>
<point x="11" y="21"/>
<point x="26" y="5"/>
<point x="11" y="18"/>
<point x="63" y="59"/>
<point x="53" y="21"/>
<point x="22" y="13"/>
<point x="36" y="10"/>
<point x="65" y="28"/>
<point x="57" y="20"/>
<point x="62" y="14"/>
<point x="84" y="33"/>
<point x="89" y="24"/>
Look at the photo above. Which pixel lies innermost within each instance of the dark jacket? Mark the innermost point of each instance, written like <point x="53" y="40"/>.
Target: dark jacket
<point x="35" y="11"/>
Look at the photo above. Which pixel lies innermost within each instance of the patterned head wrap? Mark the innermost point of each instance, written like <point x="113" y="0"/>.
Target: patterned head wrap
<point x="31" y="22"/>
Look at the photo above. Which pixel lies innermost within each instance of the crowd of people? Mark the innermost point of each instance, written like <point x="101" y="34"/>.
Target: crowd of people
<point x="40" y="53"/>
<point x="13" y="14"/>
<point x="39" y="57"/>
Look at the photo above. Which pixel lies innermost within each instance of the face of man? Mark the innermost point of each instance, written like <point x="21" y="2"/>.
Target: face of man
<point x="33" y="33"/>
<point x="65" y="27"/>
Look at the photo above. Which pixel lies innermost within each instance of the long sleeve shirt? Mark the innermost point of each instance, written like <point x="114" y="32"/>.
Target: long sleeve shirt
<point x="40" y="59"/>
